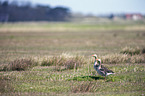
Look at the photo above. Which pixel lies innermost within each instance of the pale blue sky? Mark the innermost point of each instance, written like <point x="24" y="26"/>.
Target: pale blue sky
<point x="97" y="6"/>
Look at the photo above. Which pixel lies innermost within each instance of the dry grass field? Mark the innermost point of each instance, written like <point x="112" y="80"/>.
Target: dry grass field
<point x="42" y="58"/>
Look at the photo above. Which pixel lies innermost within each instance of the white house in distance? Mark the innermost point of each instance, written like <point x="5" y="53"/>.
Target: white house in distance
<point x="135" y="16"/>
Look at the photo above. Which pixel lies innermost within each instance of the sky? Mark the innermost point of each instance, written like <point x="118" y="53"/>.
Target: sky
<point x="97" y="6"/>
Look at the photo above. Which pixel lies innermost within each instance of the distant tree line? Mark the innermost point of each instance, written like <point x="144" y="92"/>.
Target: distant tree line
<point x="15" y="12"/>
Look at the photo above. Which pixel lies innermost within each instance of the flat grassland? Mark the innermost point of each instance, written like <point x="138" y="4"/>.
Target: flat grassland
<point x="41" y="40"/>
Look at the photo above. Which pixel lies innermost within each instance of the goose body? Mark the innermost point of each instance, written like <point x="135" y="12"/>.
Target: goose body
<point x="101" y="70"/>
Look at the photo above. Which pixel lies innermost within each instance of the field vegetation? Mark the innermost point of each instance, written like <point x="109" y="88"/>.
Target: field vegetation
<point x="55" y="58"/>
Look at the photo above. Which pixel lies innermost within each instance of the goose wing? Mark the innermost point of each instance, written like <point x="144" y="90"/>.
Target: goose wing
<point x="102" y="71"/>
<point x="106" y="69"/>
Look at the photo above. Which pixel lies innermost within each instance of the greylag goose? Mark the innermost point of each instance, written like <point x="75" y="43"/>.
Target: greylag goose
<point x="101" y="70"/>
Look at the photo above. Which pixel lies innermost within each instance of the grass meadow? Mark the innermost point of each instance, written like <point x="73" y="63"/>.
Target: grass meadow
<point x="55" y="58"/>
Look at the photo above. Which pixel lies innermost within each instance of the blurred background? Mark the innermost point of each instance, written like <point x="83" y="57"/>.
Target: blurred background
<point x="72" y="10"/>
<point x="40" y="27"/>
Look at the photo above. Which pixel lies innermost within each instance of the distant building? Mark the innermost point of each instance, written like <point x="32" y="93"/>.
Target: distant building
<point x="4" y="17"/>
<point x="133" y="16"/>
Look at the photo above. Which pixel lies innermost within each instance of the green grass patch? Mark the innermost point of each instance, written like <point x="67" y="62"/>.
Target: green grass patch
<point x="123" y="83"/>
<point x="128" y="78"/>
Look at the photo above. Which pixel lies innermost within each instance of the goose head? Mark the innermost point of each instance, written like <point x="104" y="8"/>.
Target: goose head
<point x="94" y="55"/>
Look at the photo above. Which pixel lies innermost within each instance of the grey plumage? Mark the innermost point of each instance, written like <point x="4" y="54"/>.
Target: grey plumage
<point x="101" y="70"/>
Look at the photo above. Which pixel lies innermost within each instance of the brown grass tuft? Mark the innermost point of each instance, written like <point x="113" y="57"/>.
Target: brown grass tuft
<point x="115" y="58"/>
<point x="19" y="65"/>
<point x="131" y="51"/>
<point x="137" y="59"/>
<point x="121" y="58"/>
<point x="69" y="62"/>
